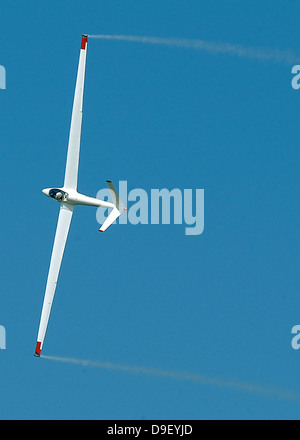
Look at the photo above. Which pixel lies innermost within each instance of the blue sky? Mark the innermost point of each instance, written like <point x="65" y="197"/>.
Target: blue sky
<point x="221" y="304"/>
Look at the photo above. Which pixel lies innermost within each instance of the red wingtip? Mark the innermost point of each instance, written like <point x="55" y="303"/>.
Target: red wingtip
<point x="84" y="41"/>
<point x="38" y="349"/>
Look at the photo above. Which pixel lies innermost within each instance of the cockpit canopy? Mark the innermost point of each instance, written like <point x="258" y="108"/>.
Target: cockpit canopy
<point x="58" y="194"/>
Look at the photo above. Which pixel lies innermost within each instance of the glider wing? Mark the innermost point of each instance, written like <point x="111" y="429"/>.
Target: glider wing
<point x="71" y="172"/>
<point x="63" y="225"/>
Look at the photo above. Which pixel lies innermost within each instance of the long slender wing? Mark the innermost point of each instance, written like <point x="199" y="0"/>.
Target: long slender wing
<point x="71" y="172"/>
<point x="63" y="225"/>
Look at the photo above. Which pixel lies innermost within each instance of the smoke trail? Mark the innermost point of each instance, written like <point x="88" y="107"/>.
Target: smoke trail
<point x="184" y="376"/>
<point x="264" y="54"/>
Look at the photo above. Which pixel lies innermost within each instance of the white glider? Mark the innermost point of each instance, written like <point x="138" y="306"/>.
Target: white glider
<point x="68" y="197"/>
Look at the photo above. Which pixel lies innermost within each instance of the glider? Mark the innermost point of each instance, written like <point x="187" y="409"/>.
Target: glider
<point x="68" y="197"/>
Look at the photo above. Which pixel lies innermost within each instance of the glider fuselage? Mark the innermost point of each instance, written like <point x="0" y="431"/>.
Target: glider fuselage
<point x="70" y="195"/>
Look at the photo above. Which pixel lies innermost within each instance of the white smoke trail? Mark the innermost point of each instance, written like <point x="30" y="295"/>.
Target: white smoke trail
<point x="263" y="54"/>
<point x="184" y="376"/>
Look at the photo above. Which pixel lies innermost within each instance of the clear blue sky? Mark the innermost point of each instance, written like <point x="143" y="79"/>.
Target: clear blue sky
<point x="221" y="304"/>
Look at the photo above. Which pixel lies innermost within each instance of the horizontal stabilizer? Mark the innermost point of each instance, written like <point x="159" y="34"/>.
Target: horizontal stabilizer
<point x="115" y="213"/>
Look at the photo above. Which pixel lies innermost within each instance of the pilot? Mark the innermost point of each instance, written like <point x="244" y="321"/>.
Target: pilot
<point x="58" y="195"/>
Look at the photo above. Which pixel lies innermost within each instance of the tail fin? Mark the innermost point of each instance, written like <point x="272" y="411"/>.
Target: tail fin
<point x="117" y="210"/>
<point x="115" y="196"/>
